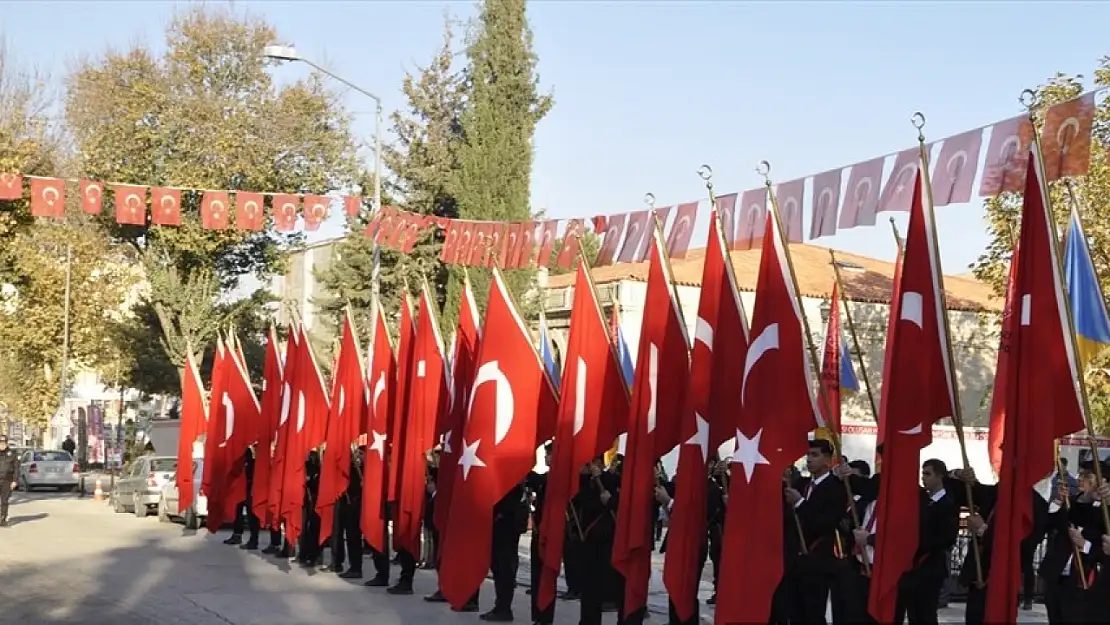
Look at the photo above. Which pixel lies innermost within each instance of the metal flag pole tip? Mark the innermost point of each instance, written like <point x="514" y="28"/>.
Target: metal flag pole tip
<point x="649" y="199"/>
<point x="705" y="172"/>
<point x="918" y="121"/>
<point x="1028" y="99"/>
<point x="764" y="169"/>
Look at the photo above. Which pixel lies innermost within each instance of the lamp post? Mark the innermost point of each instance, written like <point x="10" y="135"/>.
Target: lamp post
<point x="289" y="53"/>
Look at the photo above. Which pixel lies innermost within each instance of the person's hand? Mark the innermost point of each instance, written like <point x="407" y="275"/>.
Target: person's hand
<point x="792" y="496"/>
<point x="1104" y="493"/>
<point x="1106" y="544"/>
<point x="976" y="524"/>
<point x="861" y="535"/>
<point x="1062" y="493"/>
<point x="1076" y="537"/>
<point x="15" y="485"/>
<point x="843" y="471"/>
<point x="724" y="498"/>
<point x="662" y="496"/>
<point x="605" y="497"/>
<point x="966" y="475"/>
<point x="595" y="471"/>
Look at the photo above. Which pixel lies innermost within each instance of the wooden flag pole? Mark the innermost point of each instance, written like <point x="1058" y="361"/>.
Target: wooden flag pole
<point x="855" y="337"/>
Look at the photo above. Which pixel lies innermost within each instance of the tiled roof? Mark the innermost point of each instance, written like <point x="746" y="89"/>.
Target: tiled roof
<point x="865" y="279"/>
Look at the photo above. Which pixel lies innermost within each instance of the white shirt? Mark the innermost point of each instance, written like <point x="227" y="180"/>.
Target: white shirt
<point x="869" y="518"/>
<point x="809" y="489"/>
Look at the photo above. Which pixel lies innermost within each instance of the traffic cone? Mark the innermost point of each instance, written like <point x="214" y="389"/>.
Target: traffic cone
<point x="98" y="494"/>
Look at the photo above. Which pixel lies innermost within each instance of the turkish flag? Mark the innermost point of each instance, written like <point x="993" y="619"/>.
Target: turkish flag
<point x="1066" y="137"/>
<point x="544" y="241"/>
<point x="165" y="206"/>
<point x="285" y="211"/>
<point x="382" y="381"/>
<point x="400" y="408"/>
<point x="464" y="363"/>
<point x="352" y="205"/>
<point x="11" y="186"/>
<point x="920" y="392"/>
<point x="635" y="237"/>
<point x="593" y="409"/>
<point x="955" y="168"/>
<point x="427" y="391"/>
<point x="48" y="197"/>
<point x="510" y="395"/>
<point x="1042" y="391"/>
<point x="826" y="200"/>
<point x="92" y="196"/>
<point x="194" y="420"/>
<point x="771" y="433"/>
<point x="568" y="253"/>
<point x="708" y="419"/>
<point x="997" y="430"/>
<point x="861" y="196"/>
<point x="655" y="419"/>
<point x="1007" y="156"/>
<point x="898" y="192"/>
<point x="266" y="431"/>
<point x="215" y="210"/>
<point x="348" y="400"/>
<point x="611" y="239"/>
<point x="240" y="421"/>
<point x="130" y="204"/>
<point x="315" y="212"/>
<point x="281" y="435"/>
<point x="211" y="478"/>
<point x="308" y="414"/>
<point x="682" y="230"/>
<point x="790" y="196"/>
<point x="830" y="364"/>
<point x="750" y="218"/>
<point x="248" y="211"/>
<point x="448" y="251"/>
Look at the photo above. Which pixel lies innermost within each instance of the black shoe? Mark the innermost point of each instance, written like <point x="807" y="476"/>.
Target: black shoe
<point x="3" y="523"/>
<point x="493" y="616"/>
<point x="377" y="582"/>
<point x="469" y="608"/>
<point x="528" y="591"/>
<point x="271" y="549"/>
<point x="336" y="568"/>
<point x="350" y="574"/>
<point x="435" y="597"/>
<point x="234" y="540"/>
<point x="570" y="595"/>
<point x="249" y="546"/>
<point x="1027" y="605"/>
<point x="712" y="600"/>
<point x="400" y="589"/>
<point x="609" y="606"/>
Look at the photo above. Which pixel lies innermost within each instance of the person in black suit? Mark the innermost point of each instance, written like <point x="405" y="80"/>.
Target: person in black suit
<point x="510" y="520"/>
<point x="783" y="607"/>
<point x="980" y="525"/>
<point x="938" y="529"/>
<point x="350" y="519"/>
<point x="431" y="534"/>
<point x="596" y="506"/>
<point x="855" y="588"/>
<point x="818" y="501"/>
<point x="536" y="485"/>
<point x="717" y="501"/>
<point x="309" y="554"/>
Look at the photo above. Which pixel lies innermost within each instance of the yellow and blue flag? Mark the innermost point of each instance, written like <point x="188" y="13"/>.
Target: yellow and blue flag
<point x="1088" y="308"/>
<point x="548" y="354"/>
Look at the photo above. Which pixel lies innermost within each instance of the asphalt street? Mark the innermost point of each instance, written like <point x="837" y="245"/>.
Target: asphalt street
<point x="71" y="560"/>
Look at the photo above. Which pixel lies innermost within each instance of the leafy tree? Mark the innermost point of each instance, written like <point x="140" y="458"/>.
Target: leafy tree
<point x="1003" y="217"/>
<point x="204" y="114"/>
<point x="504" y="105"/>
<point x="423" y="161"/>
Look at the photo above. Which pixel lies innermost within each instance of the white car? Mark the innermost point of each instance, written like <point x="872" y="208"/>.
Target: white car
<point x="168" y="508"/>
<point x="47" y="468"/>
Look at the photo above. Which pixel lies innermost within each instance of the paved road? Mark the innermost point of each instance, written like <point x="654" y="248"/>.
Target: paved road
<point x="70" y="560"/>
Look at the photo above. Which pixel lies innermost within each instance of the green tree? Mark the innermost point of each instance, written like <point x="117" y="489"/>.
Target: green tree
<point x="1003" y="216"/>
<point x="204" y="114"/>
<point x="423" y="162"/>
<point x="493" y="180"/>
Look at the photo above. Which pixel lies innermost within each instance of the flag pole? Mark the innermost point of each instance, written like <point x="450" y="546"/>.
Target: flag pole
<point x="918" y="121"/>
<point x="764" y="169"/>
<point x="1029" y="100"/>
<point x="854" y="335"/>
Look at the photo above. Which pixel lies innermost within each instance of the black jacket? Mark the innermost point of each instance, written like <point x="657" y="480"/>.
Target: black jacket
<point x="9" y="464"/>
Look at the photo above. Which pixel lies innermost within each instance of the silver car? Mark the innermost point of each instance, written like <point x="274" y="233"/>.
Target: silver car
<point x="168" y="508"/>
<point x="140" y="489"/>
<point x="42" y="468"/>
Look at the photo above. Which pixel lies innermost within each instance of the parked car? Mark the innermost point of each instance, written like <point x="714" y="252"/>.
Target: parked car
<point x="168" y="509"/>
<point x="140" y="489"/>
<point x="48" y="468"/>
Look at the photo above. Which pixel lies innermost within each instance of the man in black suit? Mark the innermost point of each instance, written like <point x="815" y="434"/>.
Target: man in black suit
<point x="536" y="485"/>
<point x="938" y="528"/>
<point x="818" y="501"/>
<point x="596" y="506"/>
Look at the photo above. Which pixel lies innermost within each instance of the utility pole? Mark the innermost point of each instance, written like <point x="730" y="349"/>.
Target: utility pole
<point x="64" y="377"/>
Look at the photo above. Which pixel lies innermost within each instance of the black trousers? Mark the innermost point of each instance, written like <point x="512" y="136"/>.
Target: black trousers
<point x="855" y="593"/>
<point x="381" y="564"/>
<point x="812" y="577"/>
<point x="5" y="496"/>
<point x="1028" y="578"/>
<point x="408" y="567"/>
<point x="976" y="604"/>
<point x="572" y="564"/>
<point x="596" y="578"/>
<point x="245" y="519"/>
<point x="310" y="536"/>
<point x="716" y="537"/>
<point x="919" y="597"/>
<point x="545" y="617"/>
<point x="672" y="616"/>
<point x="275" y="538"/>
<point x="348" y="520"/>
<point x="504" y="562"/>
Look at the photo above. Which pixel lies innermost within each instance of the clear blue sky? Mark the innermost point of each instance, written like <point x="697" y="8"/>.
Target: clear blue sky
<point x="645" y="92"/>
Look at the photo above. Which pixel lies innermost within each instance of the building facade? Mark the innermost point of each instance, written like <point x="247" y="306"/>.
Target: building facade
<point x="298" y="289"/>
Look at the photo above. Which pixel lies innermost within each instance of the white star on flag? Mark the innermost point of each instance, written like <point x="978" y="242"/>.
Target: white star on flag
<point x="470" y="457"/>
<point x="379" y="444"/>
<point x="447" y="443"/>
<point x="701" y="439"/>
<point x="747" y="453"/>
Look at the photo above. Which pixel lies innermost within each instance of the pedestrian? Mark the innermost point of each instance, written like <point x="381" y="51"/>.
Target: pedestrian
<point x="8" y="465"/>
<point x="68" y="445"/>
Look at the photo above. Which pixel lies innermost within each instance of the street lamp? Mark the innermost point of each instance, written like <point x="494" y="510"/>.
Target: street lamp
<point x="290" y="54"/>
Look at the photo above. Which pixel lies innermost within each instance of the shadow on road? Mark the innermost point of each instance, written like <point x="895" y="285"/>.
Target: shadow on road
<point x="26" y="518"/>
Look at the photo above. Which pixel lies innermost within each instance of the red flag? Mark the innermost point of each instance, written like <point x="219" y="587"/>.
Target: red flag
<point x="682" y="230"/>
<point x="658" y="394"/>
<point x="861" y="196"/>
<point x="1007" y="156"/>
<point x="593" y="408"/>
<point x="449" y="252"/>
<point x="240" y="422"/>
<point x="92" y="195"/>
<point x="826" y="199"/>
<point x="771" y="433"/>
<point x="568" y="253"/>
<point x="382" y="379"/>
<point x="308" y="415"/>
<point x="194" y="418"/>
<point x="635" y="237"/>
<point x="248" y="211"/>
<point x="352" y="205"/>
<point x="165" y="206"/>
<point x="130" y="204"/>
<point x="920" y="392"/>
<point x="897" y="194"/>
<point x="510" y="245"/>
<point x="464" y="363"/>
<point x="267" y="428"/>
<point x="790" y="196"/>
<point x="954" y="170"/>
<point x="11" y="186"/>
<point x="400" y="409"/>
<point x="611" y="240"/>
<point x="510" y="395"/>
<point x="211" y="482"/>
<point x="1042" y="392"/>
<point x="545" y="240"/>
<point x="427" y="391"/>
<point x="708" y="420"/>
<point x="348" y="400"/>
<point x="315" y="212"/>
<point x="830" y="364"/>
<point x="1066" y="137"/>
<point x="215" y="210"/>
<point x="281" y="435"/>
<point x="750" y="218"/>
<point x="285" y="211"/>
<point x="48" y="197"/>
<point x="997" y="431"/>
